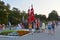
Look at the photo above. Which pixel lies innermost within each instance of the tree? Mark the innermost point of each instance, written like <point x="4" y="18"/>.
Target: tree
<point x="53" y="15"/>
<point x="58" y="18"/>
<point x="14" y="16"/>
<point x="24" y="14"/>
<point x="3" y="13"/>
<point x="41" y="17"/>
<point x="8" y="6"/>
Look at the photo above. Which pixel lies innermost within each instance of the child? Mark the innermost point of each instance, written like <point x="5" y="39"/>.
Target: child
<point x="30" y="27"/>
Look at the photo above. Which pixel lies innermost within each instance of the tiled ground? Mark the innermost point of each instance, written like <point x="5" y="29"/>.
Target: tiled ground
<point x="37" y="36"/>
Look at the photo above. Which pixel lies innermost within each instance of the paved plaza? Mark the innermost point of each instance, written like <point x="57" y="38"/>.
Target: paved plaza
<point x="35" y="36"/>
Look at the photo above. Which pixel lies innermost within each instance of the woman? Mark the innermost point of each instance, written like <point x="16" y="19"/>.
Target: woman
<point x="43" y="27"/>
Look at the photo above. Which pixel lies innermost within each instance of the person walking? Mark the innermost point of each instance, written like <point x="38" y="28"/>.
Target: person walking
<point x="53" y="26"/>
<point x="37" y="25"/>
<point x="3" y="25"/>
<point x="49" y="27"/>
<point x="43" y="27"/>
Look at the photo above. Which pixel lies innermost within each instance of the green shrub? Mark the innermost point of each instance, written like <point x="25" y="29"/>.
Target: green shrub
<point x="6" y="32"/>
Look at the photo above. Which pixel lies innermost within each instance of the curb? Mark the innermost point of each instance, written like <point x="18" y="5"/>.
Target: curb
<point x="7" y="36"/>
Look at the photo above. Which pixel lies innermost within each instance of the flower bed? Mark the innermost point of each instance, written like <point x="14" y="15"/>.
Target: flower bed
<point x="22" y="32"/>
<point x="6" y="32"/>
<point x="14" y="32"/>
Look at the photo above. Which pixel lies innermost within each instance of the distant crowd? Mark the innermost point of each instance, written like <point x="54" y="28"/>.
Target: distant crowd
<point x="39" y="26"/>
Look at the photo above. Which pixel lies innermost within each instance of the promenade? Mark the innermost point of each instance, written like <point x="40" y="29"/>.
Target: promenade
<point x="36" y="36"/>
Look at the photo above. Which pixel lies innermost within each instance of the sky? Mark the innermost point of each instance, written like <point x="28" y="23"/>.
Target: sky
<point x="43" y="7"/>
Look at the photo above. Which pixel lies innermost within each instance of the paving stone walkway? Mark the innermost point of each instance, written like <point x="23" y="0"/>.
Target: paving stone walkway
<point x="36" y="36"/>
